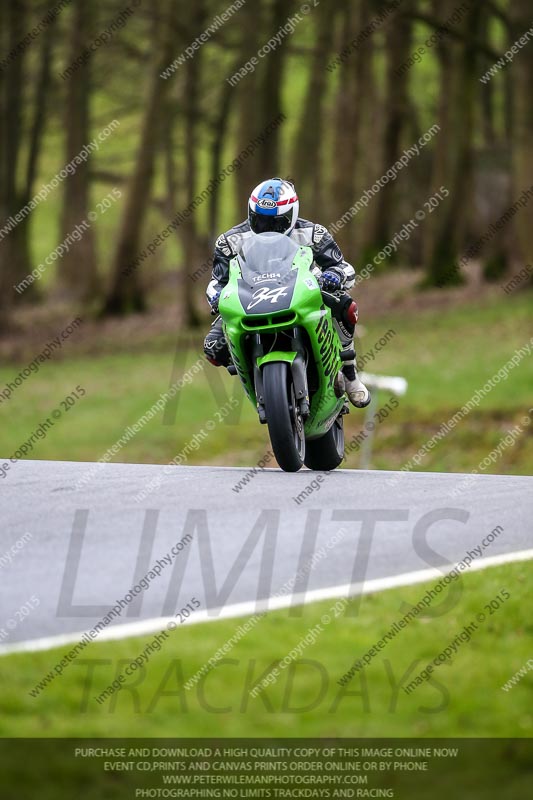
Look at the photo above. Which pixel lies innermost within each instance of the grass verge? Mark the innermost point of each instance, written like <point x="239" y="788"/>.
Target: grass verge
<point x="462" y="698"/>
<point x="445" y="356"/>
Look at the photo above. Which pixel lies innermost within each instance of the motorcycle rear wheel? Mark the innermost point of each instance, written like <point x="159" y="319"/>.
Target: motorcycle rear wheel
<point x="327" y="452"/>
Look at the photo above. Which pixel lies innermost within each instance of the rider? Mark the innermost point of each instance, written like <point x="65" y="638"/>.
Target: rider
<point x="333" y="273"/>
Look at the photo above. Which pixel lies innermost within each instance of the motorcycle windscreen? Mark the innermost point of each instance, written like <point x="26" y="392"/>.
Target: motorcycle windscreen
<point x="268" y="277"/>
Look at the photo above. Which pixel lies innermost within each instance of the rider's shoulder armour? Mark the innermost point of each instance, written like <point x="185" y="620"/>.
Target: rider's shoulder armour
<point x="318" y="234"/>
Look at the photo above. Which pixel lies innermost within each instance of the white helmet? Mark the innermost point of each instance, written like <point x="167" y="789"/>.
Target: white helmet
<point x="273" y="207"/>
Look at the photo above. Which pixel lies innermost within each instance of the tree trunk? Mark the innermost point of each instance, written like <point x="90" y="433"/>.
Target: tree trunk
<point x="77" y="268"/>
<point x="40" y="113"/>
<point x="522" y="70"/>
<point x="487" y="92"/>
<point x="249" y="173"/>
<point x="14" y="248"/>
<point x="270" y="98"/>
<point x="220" y="129"/>
<point x="308" y="148"/>
<point x="459" y="87"/>
<point x="398" y="47"/>
<point x="189" y="229"/>
<point x="351" y="106"/>
<point x="126" y="293"/>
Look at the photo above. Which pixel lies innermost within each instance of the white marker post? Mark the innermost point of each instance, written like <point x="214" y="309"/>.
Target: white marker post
<point x="397" y="386"/>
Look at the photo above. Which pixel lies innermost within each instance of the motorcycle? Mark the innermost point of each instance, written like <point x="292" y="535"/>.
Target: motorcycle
<point x="286" y="351"/>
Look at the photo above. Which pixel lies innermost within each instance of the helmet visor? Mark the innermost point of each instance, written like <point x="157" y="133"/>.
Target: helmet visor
<point x="265" y="223"/>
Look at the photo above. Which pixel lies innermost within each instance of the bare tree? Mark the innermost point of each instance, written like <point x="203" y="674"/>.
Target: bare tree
<point x="308" y="146"/>
<point x="398" y="46"/>
<point x="77" y="268"/>
<point x="352" y="103"/>
<point x="191" y="104"/>
<point x="14" y="246"/>
<point x="270" y="98"/>
<point x="522" y="70"/>
<point x="459" y="90"/>
<point x="126" y="293"/>
<point x="247" y="98"/>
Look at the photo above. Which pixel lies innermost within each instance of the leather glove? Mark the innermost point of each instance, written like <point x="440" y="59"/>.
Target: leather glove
<point x="330" y="281"/>
<point x="213" y="302"/>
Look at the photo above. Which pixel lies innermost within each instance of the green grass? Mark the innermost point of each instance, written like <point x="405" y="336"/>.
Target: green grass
<point x="445" y="356"/>
<point x="464" y="698"/>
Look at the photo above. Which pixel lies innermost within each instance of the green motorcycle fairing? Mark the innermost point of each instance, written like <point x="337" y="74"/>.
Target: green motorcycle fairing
<point x="270" y="293"/>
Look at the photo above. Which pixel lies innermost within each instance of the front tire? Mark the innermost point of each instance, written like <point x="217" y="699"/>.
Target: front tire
<point x="327" y="452"/>
<point x="285" y="424"/>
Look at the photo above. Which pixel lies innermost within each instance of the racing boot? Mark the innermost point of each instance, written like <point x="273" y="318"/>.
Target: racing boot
<point x="215" y="346"/>
<point x="345" y="318"/>
<point x="358" y="394"/>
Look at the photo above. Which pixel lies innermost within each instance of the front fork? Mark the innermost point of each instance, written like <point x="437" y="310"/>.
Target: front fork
<point x="298" y="371"/>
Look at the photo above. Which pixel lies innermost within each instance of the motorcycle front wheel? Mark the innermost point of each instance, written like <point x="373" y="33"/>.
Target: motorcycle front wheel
<point x="285" y="424"/>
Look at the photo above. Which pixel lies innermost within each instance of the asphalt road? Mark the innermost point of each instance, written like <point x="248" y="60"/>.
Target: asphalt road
<point x="84" y="548"/>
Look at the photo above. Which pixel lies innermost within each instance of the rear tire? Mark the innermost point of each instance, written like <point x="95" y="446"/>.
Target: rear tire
<point x="327" y="452"/>
<point x="285" y="424"/>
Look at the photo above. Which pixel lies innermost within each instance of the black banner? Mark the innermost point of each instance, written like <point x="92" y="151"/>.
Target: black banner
<point x="326" y="769"/>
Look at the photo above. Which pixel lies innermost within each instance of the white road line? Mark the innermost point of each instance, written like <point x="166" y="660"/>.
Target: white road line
<point x="249" y="608"/>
